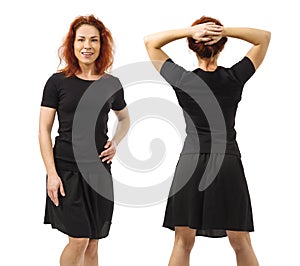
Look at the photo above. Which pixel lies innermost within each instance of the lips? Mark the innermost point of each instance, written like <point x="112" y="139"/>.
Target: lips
<point x="87" y="54"/>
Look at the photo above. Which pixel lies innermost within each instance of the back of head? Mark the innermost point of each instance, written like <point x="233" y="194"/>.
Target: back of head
<point x="206" y="51"/>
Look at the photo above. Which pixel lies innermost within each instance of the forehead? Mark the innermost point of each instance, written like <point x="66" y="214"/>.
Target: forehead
<point x="87" y="31"/>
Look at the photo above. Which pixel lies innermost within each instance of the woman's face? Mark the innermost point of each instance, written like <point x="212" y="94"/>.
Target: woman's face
<point x="87" y="44"/>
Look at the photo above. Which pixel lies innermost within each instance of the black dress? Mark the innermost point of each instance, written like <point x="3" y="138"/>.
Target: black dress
<point x="209" y="191"/>
<point x="83" y="212"/>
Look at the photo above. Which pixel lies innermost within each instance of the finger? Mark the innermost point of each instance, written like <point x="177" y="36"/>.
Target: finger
<point x="50" y="195"/>
<point x="55" y="198"/>
<point x="108" y="157"/>
<point x="209" y="23"/>
<point x="213" y="33"/>
<point x="61" y="189"/>
<point x="203" y="39"/>
<point x="211" y="42"/>
<point x="107" y="144"/>
<point x="215" y="27"/>
<point x="109" y="150"/>
<point x="104" y="153"/>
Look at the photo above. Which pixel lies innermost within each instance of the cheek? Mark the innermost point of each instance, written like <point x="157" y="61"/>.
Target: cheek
<point x="77" y="49"/>
<point x="98" y="48"/>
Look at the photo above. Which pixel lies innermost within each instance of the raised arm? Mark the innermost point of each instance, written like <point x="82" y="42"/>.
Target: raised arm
<point x="156" y="41"/>
<point x="259" y="38"/>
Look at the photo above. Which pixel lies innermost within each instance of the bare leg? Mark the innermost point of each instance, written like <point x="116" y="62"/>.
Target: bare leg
<point x="73" y="253"/>
<point x="241" y="243"/>
<point x="91" y="253"/>
<point x="183" y="244"/>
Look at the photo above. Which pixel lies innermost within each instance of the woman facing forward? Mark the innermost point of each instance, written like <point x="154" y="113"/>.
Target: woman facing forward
<point x="73" y="205"/>
<point x="223" y="207"/>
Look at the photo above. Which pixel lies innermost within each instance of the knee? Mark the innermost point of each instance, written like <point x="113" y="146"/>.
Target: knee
<point x="185" y="242"/>
<point x="92" y="248"/>
<point x="239" y="240"/>
<point x="79" y="244"/>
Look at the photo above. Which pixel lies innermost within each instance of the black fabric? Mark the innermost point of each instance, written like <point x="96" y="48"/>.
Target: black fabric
<point x="226" y="84"/>
<point x="64" y="95"/>
<point x="83" y="212"/>
<point x="225" y="204"/>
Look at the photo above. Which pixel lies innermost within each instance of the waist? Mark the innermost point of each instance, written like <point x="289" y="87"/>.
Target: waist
<point x="64" y="150"/>
<point x="207" y="143"/>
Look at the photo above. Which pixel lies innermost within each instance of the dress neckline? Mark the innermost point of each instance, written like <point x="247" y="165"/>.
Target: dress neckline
<point x="90" y="80"/>
<point x="208" y="71"/>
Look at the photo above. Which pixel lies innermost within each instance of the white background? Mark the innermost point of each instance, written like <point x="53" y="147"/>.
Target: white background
<point x="267" y="124"/>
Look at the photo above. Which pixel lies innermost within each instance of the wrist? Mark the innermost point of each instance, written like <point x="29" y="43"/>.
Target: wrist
<point x="51" y="172"/>
<point x="190" y="32"/>
<point x="225" y="32"/>
<point x="115" y="143"/>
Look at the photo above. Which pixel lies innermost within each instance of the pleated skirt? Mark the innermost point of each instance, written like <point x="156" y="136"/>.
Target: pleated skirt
<point x="220" y="202"/>
<point x="83" y="212"/>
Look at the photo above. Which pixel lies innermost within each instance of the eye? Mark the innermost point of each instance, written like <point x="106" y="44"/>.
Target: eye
<point x="80" y="40"/>
<point x="94" y="40"/>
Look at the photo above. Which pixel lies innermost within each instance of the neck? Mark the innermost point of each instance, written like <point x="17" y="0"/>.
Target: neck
<point x="208" y="64"/>
<point x="87" y="71"/>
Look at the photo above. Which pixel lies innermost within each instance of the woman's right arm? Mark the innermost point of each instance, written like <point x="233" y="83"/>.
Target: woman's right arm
<point x="54" y="183"/>
<point x="259" y="38"/>
<point x="155" y="42"/>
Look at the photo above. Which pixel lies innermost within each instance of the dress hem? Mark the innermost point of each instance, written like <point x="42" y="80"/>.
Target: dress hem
<point x="172" y="228"/>
<point x="75" y="236"/>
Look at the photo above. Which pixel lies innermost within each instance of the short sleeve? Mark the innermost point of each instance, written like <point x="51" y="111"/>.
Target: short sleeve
<point x="173" y="73"/>
<point x="243" y="70"/>
<point x="119" y="102"/>
<point x="50" y="93"/>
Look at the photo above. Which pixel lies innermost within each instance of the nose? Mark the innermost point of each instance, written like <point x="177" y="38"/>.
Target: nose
<point x="87" y="44"/>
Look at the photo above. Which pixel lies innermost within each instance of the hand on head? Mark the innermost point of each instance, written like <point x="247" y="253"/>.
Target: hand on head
<point x="209" y="33"/>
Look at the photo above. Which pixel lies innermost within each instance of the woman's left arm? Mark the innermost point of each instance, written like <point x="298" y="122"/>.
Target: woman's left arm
<point x="122" y="129"/>
<point x="154" y="42"/>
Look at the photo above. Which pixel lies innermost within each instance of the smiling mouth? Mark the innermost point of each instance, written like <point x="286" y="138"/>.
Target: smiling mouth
<point x="87" y="54"/>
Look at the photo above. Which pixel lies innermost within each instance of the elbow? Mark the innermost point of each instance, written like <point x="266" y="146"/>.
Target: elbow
<point x="267" y="36"/>
<point x="150" y="42"/>
<point x="146" y="41"/>
<point x="40" y="135"/>
<point x="43" y="132"/>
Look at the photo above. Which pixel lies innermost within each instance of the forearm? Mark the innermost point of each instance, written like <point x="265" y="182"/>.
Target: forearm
<point x="47" y="152"/>
<point x="121" y="130"/>
<point x="158" y="40"/>
<point x="251" y="35"/>
<point x="259" y="38"/>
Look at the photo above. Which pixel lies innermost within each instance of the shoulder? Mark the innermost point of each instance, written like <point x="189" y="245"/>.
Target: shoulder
<point x="110" y="77"/>
<point x="56" y="78"/>
<point x="111" y="80"/>
<point x="242" y="70"/>
<point x="175" y="74"/>
<point x="244" y="63"/>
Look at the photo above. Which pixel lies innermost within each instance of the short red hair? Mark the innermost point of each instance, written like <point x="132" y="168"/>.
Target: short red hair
<point x="66" y="50"/>
<point x="206" y="51"/>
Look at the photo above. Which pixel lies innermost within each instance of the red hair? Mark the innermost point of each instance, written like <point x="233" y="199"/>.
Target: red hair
<point x="66" y="50"/>
<point x="206" y="51"/>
